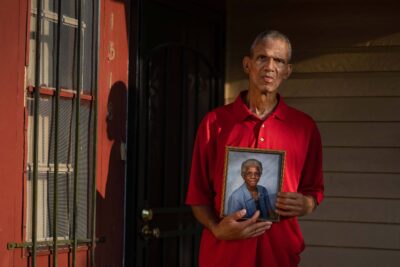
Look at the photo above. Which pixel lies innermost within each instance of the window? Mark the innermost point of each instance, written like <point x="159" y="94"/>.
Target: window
<point x="66" y="86"/>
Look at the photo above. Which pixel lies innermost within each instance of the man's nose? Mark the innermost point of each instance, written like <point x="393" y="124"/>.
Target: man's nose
<point x="269" y="64"/>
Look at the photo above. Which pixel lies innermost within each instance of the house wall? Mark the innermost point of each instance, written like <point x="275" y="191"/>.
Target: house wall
<point x="112" y="98"/>
<point x="347" y="77"/>
<point x="113" y="76"/>
<point x="13" y="18"/>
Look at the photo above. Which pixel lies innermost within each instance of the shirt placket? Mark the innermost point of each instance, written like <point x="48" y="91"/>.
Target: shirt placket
<point x="262" y="134"/>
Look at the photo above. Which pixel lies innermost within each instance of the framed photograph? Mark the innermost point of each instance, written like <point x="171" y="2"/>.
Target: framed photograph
<point x="252" y="179"/>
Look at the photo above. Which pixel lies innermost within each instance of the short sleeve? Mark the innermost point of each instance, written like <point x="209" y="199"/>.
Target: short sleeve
<point x="311" y="182"/>
<point x="200" y="190"/>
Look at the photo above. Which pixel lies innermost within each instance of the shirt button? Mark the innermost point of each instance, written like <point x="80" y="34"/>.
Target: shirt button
<point x="262" y="126"/>
<point x="262" y="139"/>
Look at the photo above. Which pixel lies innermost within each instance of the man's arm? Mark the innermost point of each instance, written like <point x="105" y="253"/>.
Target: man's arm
<point x="229" y="228"/>
<point x="311" y="187"/>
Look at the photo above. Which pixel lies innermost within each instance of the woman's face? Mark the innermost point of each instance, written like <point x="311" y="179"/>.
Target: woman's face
<point x="252" y="176"/>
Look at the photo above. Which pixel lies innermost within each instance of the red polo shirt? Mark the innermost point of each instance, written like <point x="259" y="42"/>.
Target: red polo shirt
<point x="234" y="125"/>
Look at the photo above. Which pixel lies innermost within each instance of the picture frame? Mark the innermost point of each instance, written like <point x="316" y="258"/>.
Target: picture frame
<point x="246" y="186"/>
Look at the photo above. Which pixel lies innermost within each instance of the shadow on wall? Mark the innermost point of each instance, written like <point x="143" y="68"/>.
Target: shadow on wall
<point x="110" y="207"/>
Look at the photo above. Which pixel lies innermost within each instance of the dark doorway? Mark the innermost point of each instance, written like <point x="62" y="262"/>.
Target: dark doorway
<point x="178" y="77"/>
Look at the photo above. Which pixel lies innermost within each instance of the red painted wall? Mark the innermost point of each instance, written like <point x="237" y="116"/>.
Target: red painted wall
<point x="12" y="47"/>
<point x="113" y="80"/>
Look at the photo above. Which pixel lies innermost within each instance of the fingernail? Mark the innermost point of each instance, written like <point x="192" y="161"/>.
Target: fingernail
<point x="243" y="212"/>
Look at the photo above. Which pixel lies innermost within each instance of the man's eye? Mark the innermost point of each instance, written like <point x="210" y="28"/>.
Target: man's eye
<point x="279" y="60"/>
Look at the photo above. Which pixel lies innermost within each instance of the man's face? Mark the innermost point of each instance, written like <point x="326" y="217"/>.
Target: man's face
<point x="268" y="66"/>
<point x="252" y="176"/>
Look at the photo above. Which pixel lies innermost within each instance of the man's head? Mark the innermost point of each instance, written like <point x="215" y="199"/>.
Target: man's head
<point x="268" y="62"/>
<point x="251" y="172"/>
<point x="271" y="34"/>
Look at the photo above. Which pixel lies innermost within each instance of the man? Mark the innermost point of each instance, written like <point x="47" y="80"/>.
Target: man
<point x="250" y="195"/>
<point x="259" y="118"/>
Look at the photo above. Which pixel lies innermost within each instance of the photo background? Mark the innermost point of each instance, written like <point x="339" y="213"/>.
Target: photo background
<point x="269" y="178"/>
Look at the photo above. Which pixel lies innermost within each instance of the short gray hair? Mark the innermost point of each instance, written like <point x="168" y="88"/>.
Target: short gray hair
<point x="251" y="162"/>
<point x="271" y="34"/>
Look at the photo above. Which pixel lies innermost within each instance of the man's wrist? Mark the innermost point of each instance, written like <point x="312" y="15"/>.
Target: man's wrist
<point x="213" y="226"/>
<point x="311" y="204"/>
<point x="315" y="203"/>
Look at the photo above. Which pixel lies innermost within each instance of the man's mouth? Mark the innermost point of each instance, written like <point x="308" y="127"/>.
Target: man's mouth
<point x="268" y="79"/>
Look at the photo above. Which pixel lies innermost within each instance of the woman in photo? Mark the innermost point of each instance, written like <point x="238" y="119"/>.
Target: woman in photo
<point x="250" y="195"/>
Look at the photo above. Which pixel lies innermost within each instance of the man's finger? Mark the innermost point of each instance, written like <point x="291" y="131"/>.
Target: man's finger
<point x="255" y="216"/>
<point x="288" y="205"/>
<point x="288" y="201"/>
<point x="286" y="213"/>
<point x="289" y="195"/>
<point x="251" y="220"/>
<point x="263" y="225"/>
<point x="238" y="214"/>
<point x="283" y="208"/>
<point x="259" y="228"/>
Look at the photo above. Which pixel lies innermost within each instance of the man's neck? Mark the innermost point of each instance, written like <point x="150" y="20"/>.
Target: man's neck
<point x="261" y="104"/>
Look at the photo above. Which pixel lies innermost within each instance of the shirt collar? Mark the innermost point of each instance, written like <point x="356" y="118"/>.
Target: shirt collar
<point x="242" y="112"/>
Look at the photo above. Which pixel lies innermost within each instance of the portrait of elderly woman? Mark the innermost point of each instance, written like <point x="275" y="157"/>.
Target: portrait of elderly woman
<point x="250" y="195"/>
<point x="253" y="177"/>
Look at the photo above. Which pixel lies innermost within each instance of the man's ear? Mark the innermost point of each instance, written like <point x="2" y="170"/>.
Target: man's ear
<point x="246" y="63"/>
<point x="288" y="71"/>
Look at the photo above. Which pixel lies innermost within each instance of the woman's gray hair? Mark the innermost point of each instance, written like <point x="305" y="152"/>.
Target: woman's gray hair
<point x="272" y="34"/>
<point x="251" y="162"/>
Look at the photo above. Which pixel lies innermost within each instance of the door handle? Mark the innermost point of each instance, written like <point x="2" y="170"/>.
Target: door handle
<point x="147" y="231"/>
<point x="147" y="215"/>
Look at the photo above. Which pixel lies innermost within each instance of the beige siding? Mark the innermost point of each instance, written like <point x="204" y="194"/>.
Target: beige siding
<point x="347" y="77"/>
<point x="342" y="84"/>
<point x="350" y="234"/>
<point x="362" y="185"/>
<point x="359" y="210"/>
<point x="360" y="134"/>
<point x="354" y="109"/>
<point x="327" y="256"/>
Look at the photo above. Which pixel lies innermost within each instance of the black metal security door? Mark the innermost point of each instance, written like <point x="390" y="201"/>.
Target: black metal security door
<point x="180" y="88"/>
<point x="180" y="79"/>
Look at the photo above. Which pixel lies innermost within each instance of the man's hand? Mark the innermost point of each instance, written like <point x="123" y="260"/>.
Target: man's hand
<point x="230" y="228"/>
<point x="292" y="204"/>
